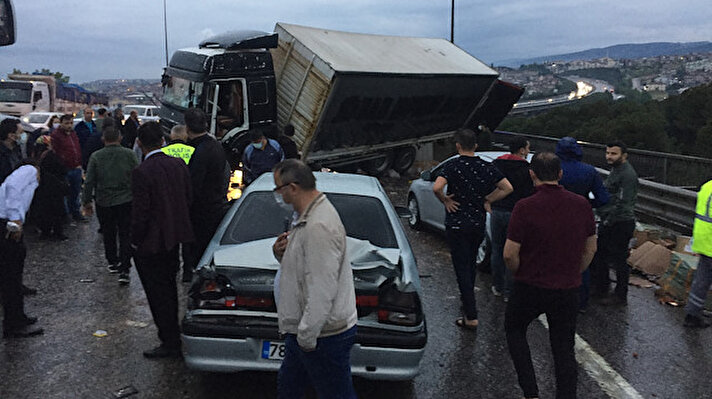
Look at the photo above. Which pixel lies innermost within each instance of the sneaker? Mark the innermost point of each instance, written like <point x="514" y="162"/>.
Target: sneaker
<point x="124" y="278"/>
<point x="495" y="291"/>
<point x="113" y="268"/>
<point x="696" y="322"/>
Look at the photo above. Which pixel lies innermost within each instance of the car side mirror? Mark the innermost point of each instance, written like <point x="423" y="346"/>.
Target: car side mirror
<point x="403" y="212"/>
<point x="426" y="175"/>
<point x="7" y="23"/>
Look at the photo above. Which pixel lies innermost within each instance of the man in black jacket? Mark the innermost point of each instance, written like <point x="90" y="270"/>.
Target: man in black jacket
<point x="515" y="168"/>
<point x="210" y="176"/>
<point x="10" y="153"/>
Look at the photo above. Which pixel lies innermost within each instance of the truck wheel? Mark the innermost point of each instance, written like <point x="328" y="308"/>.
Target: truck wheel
<point x="484" y="253"/>
<point x="404" y="159"/>
<point x="414" y="220"/>
<point x="378" y="166"/>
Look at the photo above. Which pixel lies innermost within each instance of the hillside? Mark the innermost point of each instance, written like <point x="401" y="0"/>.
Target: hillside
<point x="619" y="51"/>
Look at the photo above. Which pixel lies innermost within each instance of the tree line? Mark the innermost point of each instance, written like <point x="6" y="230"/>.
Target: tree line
<point x="679" y="124"/>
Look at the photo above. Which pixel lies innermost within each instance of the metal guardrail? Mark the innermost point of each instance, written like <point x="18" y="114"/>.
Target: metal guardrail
<point x="673" y="169"/>
<point x="662" y="204"/>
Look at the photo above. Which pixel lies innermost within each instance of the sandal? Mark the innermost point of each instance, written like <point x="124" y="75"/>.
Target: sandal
<point x="460" y="322"/>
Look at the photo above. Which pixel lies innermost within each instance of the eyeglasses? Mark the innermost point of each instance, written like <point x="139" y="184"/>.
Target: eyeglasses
<point x="282" y="186"/>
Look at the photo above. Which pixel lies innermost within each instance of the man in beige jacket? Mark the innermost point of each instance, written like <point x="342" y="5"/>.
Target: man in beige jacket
<point x="317" y="301"/>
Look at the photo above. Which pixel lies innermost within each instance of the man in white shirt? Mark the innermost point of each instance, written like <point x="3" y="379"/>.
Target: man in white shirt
<point x="16" y="194"/>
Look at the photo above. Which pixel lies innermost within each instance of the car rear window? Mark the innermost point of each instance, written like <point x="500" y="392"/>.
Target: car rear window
<point x="259" y="217"/>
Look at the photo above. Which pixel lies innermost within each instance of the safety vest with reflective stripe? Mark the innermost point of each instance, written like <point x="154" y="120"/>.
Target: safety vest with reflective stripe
<point x="179" y="150"/>
<point x="702" y="230"/>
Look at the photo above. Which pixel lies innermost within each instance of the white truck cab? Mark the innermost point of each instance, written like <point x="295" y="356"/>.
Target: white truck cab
<point x="22" y="97"/>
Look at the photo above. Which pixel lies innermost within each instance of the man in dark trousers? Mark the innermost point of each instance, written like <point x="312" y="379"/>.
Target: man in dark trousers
<point x="160" y="221"/>
<point x="471" y="182"/>
<point x="515" y="168"/>
<point x="210" y="176"/>
<point x="550" y="241"/>
<point x="16" y="194"/>
<point x="616" y="227"/>
<point x="108" y="182"/>
<point x="584" y="180"/>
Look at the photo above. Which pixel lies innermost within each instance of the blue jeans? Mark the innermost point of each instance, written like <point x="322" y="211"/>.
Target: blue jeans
<point x="501" y="276"/>
<point x="74" y="178"/>
<point x="700" y="286"/>
<point x="328" y="368"/>
<point x="463" y="250"/>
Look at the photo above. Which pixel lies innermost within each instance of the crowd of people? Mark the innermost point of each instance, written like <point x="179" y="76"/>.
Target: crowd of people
<point x="544" y="237"/>
<point x="155" y="197"/>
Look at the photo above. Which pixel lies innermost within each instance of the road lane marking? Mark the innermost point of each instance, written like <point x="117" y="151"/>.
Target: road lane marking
<point x="612" y="383"/>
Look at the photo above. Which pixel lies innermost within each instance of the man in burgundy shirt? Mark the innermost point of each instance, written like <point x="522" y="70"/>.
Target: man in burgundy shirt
<point x="66" y="144"/>
<point x="551" y="239"/>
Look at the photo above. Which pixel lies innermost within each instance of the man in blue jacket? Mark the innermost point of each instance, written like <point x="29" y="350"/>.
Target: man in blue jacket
<point x="260" y="156"/>
<point x="580" y="178"/>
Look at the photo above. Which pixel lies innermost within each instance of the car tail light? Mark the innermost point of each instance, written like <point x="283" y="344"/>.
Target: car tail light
<point x="392" y="306"/>
<point x="254" y="302"/>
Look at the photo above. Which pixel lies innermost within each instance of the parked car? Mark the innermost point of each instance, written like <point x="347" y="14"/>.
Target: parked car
<point x="231" y="321"/>
<point x="146" y="113"/>
<point x="427" y="210"/>
<point x="25" y="126"/>
<point x="39" y="119"/>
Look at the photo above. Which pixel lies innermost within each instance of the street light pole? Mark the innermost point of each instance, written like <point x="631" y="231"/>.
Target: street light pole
<point x="165" y="29"/>
<point x="452" y="22"/>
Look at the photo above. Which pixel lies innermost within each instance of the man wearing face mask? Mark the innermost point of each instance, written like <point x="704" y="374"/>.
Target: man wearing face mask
<point x="10" y="152"/>
<point x="210" y="176"/>
<point x="316" y="305"/>
<point x="260" y="156"/>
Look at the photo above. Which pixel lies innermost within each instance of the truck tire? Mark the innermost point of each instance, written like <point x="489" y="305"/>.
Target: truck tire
<point x="404" y="159"/>
<point x="378" y="166"/>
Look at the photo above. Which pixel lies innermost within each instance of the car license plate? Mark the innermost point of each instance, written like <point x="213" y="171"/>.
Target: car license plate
<point x="273" y="350"/>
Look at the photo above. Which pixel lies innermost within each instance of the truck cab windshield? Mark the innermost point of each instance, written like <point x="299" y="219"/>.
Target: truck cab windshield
<point x="182" y="92"/>
<point x="15" y="92"/>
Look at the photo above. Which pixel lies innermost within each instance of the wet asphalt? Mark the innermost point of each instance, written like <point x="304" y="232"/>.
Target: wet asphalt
<point x="644" y="342"/>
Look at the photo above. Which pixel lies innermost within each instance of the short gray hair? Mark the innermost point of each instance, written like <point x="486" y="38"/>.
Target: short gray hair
<point x="297" y="172"/>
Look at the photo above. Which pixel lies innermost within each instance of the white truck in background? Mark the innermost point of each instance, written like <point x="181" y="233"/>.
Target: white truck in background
<point x="24" y="93"/>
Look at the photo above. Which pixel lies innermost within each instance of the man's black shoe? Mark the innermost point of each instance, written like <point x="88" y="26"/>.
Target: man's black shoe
<point x="29" y="320"/>
<point x="163" y="351"/>
<point x="22" y="332"/>
<point x="27" y="291"/>
<point x="187" y="278"/>
<point x="696" y="322"/>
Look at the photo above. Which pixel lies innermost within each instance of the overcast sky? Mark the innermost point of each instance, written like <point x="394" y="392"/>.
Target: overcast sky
<point x="90" y="40"/>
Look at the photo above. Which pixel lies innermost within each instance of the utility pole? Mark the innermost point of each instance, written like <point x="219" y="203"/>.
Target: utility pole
<point x="452" y="22"/>
<point x="165" y="29"/>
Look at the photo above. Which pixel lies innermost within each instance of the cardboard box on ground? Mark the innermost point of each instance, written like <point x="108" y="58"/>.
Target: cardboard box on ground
<point x="666" y="259"/>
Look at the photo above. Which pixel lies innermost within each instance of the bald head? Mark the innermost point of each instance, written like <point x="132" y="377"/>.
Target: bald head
<point x="179" y="132"/>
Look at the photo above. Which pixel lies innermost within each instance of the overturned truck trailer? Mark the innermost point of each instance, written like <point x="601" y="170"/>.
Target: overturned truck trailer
<point x="353" y="99"/>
